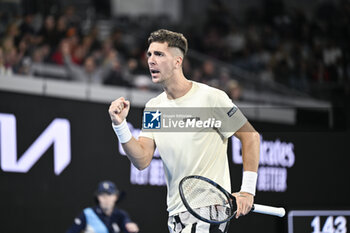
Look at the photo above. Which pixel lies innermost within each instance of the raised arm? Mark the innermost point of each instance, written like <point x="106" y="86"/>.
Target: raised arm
<point x="139" y="152"/>
<point x="75" y="72"/>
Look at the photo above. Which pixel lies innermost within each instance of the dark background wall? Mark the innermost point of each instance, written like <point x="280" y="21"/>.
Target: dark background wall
<point x="40" y="201"/>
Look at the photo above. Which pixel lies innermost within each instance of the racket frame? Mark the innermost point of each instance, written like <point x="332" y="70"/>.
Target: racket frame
<point x="263" y="209"/>
<point x="229" y="197"/>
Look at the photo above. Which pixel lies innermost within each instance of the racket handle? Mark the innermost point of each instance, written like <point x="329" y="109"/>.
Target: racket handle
<point x="264" y="209"/>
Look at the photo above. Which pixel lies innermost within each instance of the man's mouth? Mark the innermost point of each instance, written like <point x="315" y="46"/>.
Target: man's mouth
<point x="155" y="71"/>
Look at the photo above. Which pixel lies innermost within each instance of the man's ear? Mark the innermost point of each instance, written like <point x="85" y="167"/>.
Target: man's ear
<point x="178" y="61"/>
<point x="177" y="54"/>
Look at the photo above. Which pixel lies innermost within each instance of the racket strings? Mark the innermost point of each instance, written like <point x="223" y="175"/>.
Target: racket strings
<point x="206" y="200"/>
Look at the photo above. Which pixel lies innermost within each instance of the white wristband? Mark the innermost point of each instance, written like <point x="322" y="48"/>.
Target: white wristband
<point x="122" y="131"/>
<point x="249" y="182"/>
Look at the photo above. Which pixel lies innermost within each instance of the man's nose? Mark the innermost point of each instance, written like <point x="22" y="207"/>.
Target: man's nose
<point x="151" y="60"/>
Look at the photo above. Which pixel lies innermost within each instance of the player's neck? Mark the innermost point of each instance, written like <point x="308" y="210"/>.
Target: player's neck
<point x="177" y="87"/>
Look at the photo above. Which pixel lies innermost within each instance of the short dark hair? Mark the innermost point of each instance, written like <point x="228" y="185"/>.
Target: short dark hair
<point x="174" y="39"/>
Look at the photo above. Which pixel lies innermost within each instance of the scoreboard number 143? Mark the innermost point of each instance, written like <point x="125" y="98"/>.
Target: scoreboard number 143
<point x="318" y="221"/>
<point x="331" y="225"/>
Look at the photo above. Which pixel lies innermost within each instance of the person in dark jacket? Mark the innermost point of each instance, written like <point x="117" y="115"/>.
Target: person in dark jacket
<point x="105" y="217"/>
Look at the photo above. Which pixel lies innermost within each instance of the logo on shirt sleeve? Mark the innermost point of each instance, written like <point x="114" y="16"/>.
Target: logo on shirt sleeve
<point x="152" y="119"/>
<point x="232" y="111"/>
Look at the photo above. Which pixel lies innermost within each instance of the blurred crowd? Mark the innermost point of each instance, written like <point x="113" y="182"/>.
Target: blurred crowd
<point x="305" y="50"/>
<point x="298" y="49"/>
<point x="34" y="39"/>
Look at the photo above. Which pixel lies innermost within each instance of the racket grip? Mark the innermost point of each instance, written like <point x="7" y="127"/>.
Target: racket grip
<point x="270" y="210"/>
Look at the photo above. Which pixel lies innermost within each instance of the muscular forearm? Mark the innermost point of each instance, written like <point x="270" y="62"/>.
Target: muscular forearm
<point x="137" y="154"/>
<point x="250" y="140"/>
<point x="250" y="151"/>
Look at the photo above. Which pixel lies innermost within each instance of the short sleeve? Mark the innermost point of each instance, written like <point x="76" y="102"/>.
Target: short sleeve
<point x="232" y="119"/>
<point x="146" y="134"/>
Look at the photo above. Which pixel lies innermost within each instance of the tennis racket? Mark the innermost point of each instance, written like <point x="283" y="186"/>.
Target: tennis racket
<point x="209" y="202"/>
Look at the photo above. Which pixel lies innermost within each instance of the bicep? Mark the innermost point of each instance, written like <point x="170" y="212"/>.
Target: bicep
<point x="250" y="140"/>
<point x="246" y="131"/>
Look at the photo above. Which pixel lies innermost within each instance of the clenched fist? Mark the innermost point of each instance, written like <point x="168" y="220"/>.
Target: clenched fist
<point x="118" y="110"/>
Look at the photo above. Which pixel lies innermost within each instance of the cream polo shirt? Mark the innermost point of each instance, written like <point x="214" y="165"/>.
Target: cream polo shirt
<point x="195" y="153"/>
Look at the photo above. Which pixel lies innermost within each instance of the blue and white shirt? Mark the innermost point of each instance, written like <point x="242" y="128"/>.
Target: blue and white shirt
<point x="93" y="220"/>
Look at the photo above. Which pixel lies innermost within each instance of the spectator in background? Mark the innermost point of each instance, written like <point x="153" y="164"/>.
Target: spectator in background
<point x="3" y="69"/>
<point x="87" y="43"/>
<point x="8" y="44"/>
<point x="61" y="28"/>
<point x="119" y="41"/>
<point x="187" y="67"/>
<point x="9" y="54"/>
<point x="89" y="73"/>
<point x="115" y="75"/>
<point x="12" y="31"/>
<point x="136" y="66"/>
<point x="331" y="55"/>
<point x="26" y="28"/>
<point x="105" y="217"/>
<point x="224" y="78"/>
<point x="235" y="41"/>
<point x="267" y="74"/>
<point x="197" y="75"/>
<point x="39" y="55"/>
<point x="79" y="54"/>
<point x="72" y="19"/>
<point x="57" y="56"/>
<point x="93" y="41"/>
<point x="208" y="71"/>
<point x="44" y="52"/>
<point x="48" y="33"/>
<point x="234" y="90"/>
<point x="103" y="54"/>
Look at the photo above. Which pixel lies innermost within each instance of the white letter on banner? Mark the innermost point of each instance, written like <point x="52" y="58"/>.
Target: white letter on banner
<point x="57" y="133"/>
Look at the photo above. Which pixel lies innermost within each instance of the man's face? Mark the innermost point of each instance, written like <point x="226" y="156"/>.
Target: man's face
<point x="162" y="61"/>
<point x="107" y="201"/>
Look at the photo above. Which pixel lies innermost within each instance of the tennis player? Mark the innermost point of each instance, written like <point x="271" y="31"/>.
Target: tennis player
<point x="188" y="153"/>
